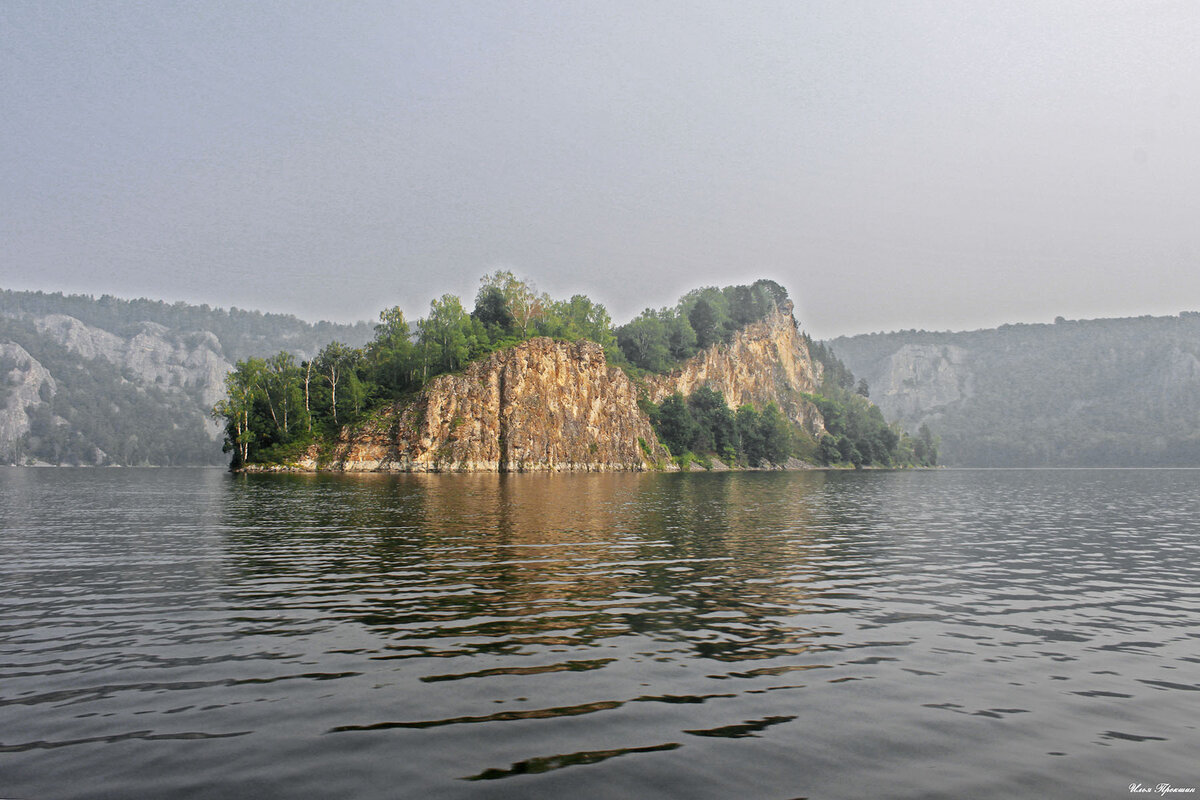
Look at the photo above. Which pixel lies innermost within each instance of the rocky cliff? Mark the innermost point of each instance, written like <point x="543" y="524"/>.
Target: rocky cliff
<point x="765" y="362"/>
<point x="915" y="382"/>
<point x="192" y="364"/>
<point x="543" y="405"/>
<point x="24" y="382"/>
<point x="547" y="405"/>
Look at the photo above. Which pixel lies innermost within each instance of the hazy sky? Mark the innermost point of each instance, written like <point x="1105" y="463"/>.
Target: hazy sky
<point x="895" y="165"/>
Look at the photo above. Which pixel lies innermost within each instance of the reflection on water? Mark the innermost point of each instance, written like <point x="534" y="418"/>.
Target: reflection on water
<point x="981" y="634"/>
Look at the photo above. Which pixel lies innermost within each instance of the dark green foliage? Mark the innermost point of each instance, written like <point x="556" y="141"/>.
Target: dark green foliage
<point x="705" y="324"/>
<point x="658" y="341"/>
<point x="491" y="309"/>
<point x="718" y="430"/>
<point x="674" y="425"/>
<point x="703" y="425"/>
<point x="645" y="342"/>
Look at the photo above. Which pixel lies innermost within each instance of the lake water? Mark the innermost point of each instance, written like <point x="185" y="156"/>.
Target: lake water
<point x="967" y="634"/>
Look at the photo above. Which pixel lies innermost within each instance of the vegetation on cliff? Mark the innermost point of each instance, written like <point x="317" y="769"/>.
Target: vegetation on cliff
<point x="276" y="409"/>
<point x="660" y="340"/>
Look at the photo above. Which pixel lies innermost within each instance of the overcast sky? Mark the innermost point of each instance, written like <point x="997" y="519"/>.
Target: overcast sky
<point x="894" y="165"/>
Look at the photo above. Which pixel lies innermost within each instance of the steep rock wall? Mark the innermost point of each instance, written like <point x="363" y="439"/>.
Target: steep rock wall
<point x="540" y="406"/>
<point x="765" y="362"/>
<point x="918" y="379"/>
<point x="23" y="382"/>
<point x="189" y="364"/>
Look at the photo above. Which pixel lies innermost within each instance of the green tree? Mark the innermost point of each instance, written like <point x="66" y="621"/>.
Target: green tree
<point x="674" y="424"/>
<point x="491" y="309"/>
<point x="521" y="299"/>
<point x="775" y="434"/>
<point x="335" y="362"/>
<point x="579" y="318"/>
<point x="391" y="352"/>
<point x="705" y="324"/>
<point x="446" y="336"/>
<point x="281" y="380"/>
<point x="750" y="431"/>
<point x="241" y="391"/>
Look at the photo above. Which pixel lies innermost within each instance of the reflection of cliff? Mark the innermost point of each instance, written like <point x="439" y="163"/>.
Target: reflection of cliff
<point x="765" y="362"/>
<point x="466" y="565"/>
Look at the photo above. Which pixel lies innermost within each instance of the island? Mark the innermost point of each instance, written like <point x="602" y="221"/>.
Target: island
<point x="525" y="383"/>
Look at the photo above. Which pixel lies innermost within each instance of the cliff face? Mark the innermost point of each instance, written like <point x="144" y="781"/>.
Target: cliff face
<point x="23" y="383"/>
<point x="154" y="355"/>
<point x="918" y="379"/>
<point x="765" y="362"/>
<point x="540" y="406"/>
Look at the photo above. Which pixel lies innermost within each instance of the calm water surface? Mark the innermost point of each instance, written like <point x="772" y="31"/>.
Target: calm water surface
<point x="976" y="634"/>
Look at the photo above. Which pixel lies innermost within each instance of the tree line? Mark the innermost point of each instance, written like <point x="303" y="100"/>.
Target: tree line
<point x="276" y="408"/>
<point x="702" y="425"/>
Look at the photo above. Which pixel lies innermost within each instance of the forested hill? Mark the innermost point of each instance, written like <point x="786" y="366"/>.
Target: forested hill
<point x="87" y="380"/>
<point x="241" y="333"/>
<point x="1103" y="392"/>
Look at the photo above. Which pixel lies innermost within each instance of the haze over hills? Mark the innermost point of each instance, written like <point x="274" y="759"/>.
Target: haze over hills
<point x="1100" y="392"/>
<point x="87" y="380"/>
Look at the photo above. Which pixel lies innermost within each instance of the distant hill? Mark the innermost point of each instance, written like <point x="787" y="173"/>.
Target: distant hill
<point x="1104" y="392"/>
<point x="112" y="381"/>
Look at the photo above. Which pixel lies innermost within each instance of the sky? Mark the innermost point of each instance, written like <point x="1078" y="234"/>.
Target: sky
<point x="935" y="165"/>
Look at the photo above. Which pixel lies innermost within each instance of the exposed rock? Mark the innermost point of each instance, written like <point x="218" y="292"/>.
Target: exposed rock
<point x="918" y="379"/>
<point x="189" y="364"/>
<point x="23" y="381"/>
<point x="540" y="406"/>
<point x="765" y="362"/>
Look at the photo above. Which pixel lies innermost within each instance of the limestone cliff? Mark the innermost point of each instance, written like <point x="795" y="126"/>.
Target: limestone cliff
<point x="543" y="405"/>
<point x="765" y="362"/>
<point x="190" y="363"/>
<point x="918" y="379"/>
<point x="24" y="383"/>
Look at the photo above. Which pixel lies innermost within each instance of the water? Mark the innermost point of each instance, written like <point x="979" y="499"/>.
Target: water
<point x="982" y="634"/>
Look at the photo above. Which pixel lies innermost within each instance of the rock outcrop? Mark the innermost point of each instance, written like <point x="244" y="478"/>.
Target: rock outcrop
<point x="765" y="362"/>
<point x="191" y="363"/>
<point x="24" y="382"/>
<point x="543" y="405"/>
<point x="919" y="379"/>
<point x="546" y="405"/>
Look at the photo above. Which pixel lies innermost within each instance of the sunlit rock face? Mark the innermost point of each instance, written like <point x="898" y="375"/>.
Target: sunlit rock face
<point x="543" y="405"/>
<point x="765" y="362"/>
